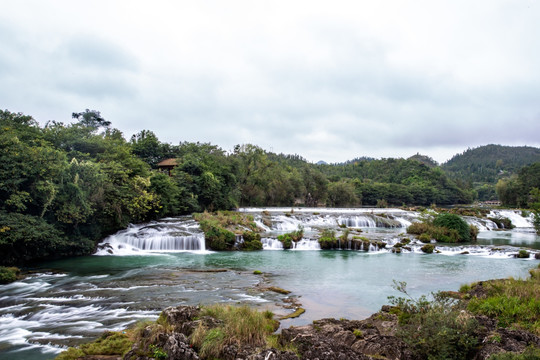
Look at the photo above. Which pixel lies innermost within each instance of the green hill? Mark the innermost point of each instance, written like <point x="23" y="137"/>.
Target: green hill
<point x="489" y="163"/>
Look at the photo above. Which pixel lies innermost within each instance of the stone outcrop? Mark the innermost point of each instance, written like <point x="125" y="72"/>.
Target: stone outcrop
<point x="326" y="339"/>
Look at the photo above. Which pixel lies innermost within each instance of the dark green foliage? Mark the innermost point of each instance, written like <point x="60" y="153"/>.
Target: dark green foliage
<point x="514" y="303"/>
<point x="328" y="239"/>
<point x="252" y="241"/>
<point x="8" y="274"/>
<point x="110" y="343"/>
<point x="523" y="254"/>
<point x="26" y="237"/>
<point x="445" y="227"/>
<point x="531" y="353"/>
<point x="436" y="329"/>
<point x="428" y="248"/>
<point x="398" y="181"/>
<point x="454" y="222"/>
<point x="217" y="238"/>
<point x="286" y="240"/>
<point x="519" y="190"/>
<point x="425" y="238"/>
<point x="488" y="163"/>
<point x="341" y="194"/>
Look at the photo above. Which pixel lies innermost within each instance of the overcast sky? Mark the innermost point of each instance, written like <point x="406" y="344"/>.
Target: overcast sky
<point x="330" y="80"/>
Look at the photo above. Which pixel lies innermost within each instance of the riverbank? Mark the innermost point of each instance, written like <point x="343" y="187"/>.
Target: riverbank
<point x="495" y="319"/>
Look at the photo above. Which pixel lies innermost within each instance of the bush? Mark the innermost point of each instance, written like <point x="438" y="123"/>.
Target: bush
<point x="328" y="239"/>
<point x="435" y="330"/>
<point x="252" y="241"/>
<point x="8" y="274"/>
<point x="217" y="238"/>
<point x="286" y="240"/>
<point x="523" y="254"/>
<point x="454" y="222"/>
<point x="240" y="326"/>
<point x="418" y="228"/>
<point x="428" y="248"/>
<point x="425" y="238"/>
<point x="512" y="302"/>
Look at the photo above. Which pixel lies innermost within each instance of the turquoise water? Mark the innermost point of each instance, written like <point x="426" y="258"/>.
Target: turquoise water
<point x="67" y="302"/>
<point x="83" y="297"/>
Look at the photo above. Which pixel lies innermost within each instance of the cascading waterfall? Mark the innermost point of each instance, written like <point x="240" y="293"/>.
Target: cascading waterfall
<point x="515" y="216"/>
<point x="166" y="235"/>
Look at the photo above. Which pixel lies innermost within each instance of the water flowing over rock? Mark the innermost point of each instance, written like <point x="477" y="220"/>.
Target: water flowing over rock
<point x="169" y="234"/>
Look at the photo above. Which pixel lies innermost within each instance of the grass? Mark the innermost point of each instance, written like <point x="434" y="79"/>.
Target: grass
<point x="231" y="220"/>
<point x="110" y="343"/>
<point x="241" y="326"/>
<point x="9" y="274"/>
<point x="514" y="303"/>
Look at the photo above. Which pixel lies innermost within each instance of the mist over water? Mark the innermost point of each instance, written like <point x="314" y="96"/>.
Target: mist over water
<point x="148" y="267"/>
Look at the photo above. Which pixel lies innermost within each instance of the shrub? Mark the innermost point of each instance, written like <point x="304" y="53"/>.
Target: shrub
<point x="523" y="254"/>
<point x="328" y="239"/>
<point x="286" y="240"/>
<point x="8" y="274"/>
<point x="428" y="248"/>
<point x="512" y="302"/>
<point x="252" y="241"/>
<point x="454" y="222"/>
<point x="473" y="230"/>
<point x="436" y="329"/>
<point x="217" y="238"/>
<point x="418" y="228"/>
<point x="240" y="326"/>
<point x="425" y="238"/>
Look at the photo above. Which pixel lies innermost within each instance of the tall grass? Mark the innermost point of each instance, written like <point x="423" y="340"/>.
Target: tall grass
<point x="514" y="303"/>
<point x="239" y="326"/>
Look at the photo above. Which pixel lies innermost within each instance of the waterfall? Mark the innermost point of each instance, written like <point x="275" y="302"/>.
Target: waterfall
<point x="306" y="244"/>
<point x="514" y="216"/>
<point x="166" y="235"/>
<point x="271" y="244"/>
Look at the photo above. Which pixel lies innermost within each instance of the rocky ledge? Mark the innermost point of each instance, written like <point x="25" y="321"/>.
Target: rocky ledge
<point x="372" y="338"/>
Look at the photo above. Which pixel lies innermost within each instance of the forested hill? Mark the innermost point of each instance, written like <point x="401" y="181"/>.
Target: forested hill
<point x="63" y="187"/>
<point x="490" y="163"/>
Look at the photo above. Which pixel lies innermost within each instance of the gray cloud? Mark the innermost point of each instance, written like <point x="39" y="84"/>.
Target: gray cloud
<point x="326" y="82"/>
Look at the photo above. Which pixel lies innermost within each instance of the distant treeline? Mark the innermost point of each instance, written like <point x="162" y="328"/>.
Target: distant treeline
<point x="65" y="186"/>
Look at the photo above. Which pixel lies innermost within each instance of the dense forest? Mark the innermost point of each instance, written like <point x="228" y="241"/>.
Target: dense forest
<point x="63" y="186"/>
<point x="480" y="168"/>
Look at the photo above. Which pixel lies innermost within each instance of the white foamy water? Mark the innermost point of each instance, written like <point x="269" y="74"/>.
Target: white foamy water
<point x="515" y="216"/>
<point x="166" y="235"/>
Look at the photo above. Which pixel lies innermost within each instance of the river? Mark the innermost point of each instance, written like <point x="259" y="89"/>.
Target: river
<point x="148" y="267"/>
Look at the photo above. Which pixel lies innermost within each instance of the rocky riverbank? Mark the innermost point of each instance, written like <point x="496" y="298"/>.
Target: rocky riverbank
<point x="495" y="320"/>
<point x="372" y="338"/>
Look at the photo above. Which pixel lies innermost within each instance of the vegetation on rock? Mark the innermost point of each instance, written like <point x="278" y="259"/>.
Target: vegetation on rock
<point x="444" y="227"/>
<point x="9" y="274"/>
<point x="239" y="326"/>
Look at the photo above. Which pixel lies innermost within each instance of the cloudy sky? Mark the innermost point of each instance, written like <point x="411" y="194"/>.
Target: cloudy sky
<point x="328" y="80"/>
